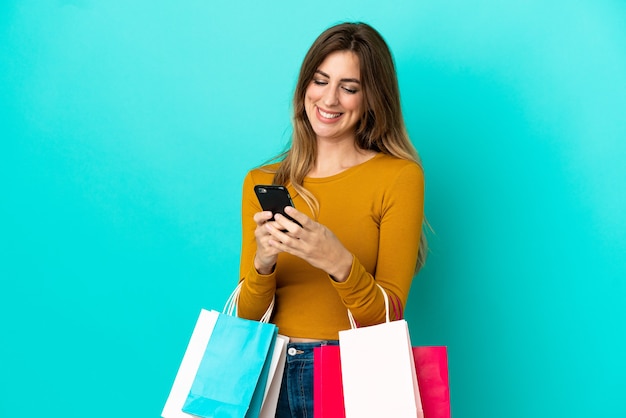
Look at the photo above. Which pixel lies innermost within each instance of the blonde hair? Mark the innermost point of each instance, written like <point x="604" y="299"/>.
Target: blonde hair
<point x="381" y="128"/>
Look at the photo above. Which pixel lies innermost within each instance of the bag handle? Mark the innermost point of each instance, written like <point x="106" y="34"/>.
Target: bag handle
<point x="353" y="324"/>
<point x="233" y="300"/>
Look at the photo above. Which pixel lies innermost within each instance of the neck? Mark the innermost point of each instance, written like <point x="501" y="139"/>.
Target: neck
<point x="335" y="157"/>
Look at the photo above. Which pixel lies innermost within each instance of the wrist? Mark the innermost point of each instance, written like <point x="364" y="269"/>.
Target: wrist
<point x="264" y="269"/>
<point x="341" y="270"/>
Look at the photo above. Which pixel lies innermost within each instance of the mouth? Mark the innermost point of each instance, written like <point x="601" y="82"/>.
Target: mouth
<point x="328" y="115"/>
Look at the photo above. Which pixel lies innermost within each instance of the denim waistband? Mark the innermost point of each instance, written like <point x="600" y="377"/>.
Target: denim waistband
<point x="304" y="351"/>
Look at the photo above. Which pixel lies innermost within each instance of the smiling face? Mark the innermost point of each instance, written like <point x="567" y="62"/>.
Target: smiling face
<point x="334" y="98"/>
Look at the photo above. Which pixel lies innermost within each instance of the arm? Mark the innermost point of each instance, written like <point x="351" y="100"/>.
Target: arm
<point x="258" y="285"/>
<point x="400" y="232"/>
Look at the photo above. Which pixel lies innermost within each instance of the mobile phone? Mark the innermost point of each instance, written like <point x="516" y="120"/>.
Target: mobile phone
<point x="274" y="198"/>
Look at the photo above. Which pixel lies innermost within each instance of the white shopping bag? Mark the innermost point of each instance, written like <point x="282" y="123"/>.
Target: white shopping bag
<point x="189" y="365"/>
<point x="277" y="367"/>
<point x="378" y="370"/>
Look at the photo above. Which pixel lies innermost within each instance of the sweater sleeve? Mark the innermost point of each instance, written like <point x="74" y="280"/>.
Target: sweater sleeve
<point x="257" y="290"/>
<point x="401" y="217"/>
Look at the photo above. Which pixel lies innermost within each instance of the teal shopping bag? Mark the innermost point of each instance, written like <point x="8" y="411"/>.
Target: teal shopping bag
<point x="230" y="381"/>
<point x="259" y="392"/>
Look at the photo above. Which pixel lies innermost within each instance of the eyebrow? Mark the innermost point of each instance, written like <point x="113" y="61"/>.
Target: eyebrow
<point x="349" y="80"/>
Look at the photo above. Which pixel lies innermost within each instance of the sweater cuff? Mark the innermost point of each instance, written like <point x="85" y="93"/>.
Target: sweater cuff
<point x="356" y="272"/>
<point x="260" y="284"/>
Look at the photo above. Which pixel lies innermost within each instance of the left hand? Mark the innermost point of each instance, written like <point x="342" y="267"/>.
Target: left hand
<point x="313" y="242"/>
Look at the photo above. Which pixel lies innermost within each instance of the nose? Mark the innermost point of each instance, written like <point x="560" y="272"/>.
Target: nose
<point x="330" y="96"/>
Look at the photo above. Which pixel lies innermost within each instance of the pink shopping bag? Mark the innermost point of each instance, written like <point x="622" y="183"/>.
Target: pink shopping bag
<point x="431" y="365"/>
<point x="327" y="383"/>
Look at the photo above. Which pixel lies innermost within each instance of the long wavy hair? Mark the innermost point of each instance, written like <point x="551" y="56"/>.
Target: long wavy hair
<point x="381" y="127"/>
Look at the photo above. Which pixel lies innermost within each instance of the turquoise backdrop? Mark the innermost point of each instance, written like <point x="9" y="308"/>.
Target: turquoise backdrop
<point x="126" y="128"/>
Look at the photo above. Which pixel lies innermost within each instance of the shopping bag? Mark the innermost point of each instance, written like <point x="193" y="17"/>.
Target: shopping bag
<point x="226" y="367"/>
<point x="189" y="365"/>
<point x="431" y="365"/>
<point x="378" y="370"/>
<point x="231" y="378"/>
<point x="327" y="383"/>
<point x="277" y="367"/>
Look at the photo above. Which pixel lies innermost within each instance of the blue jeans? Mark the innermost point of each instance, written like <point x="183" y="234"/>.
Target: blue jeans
<point x="296" y="391"/>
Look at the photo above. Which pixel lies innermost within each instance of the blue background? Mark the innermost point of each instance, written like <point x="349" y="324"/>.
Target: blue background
<point x="127" y="127"/>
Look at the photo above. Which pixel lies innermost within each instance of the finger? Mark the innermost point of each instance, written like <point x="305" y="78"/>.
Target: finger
<point x="260" y="234"/>
<point x="287" y="245"/>
<point x="285" y="224"/>
<point x="280" y="237"/>
<point x="263" y="237"/>
<point x="298" y="216"/>
<point x="262" y="217"/>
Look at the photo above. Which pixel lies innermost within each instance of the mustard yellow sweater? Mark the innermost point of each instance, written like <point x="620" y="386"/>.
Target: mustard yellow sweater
<point x="376" y="211"/>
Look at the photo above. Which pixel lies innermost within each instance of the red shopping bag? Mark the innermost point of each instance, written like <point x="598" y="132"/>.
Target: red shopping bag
<point x="431" y="365"/>
<point x="327" y="384"/>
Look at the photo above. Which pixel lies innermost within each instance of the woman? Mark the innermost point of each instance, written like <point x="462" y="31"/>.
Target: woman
<point x="358" y="187"/>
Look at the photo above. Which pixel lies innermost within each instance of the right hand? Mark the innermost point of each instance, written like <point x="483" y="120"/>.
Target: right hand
<point x="266" y="255"/>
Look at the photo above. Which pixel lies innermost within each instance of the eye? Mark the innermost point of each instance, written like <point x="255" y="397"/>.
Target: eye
<point x="319" y="82"/>
<point x="350" y="90"/>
